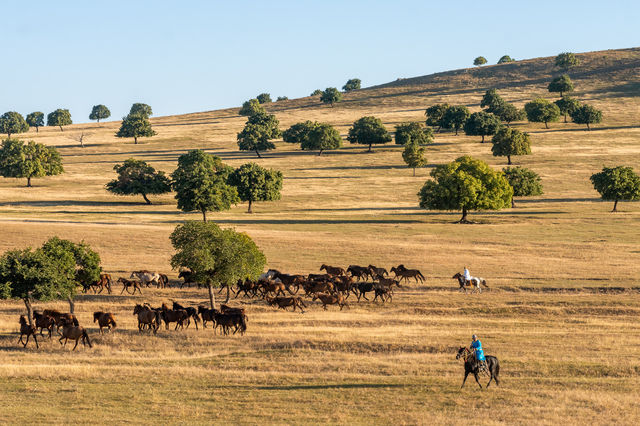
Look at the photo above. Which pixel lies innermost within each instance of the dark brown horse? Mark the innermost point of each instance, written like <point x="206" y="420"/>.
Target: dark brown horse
<point x="74" y="332"/>
<point x="471" y="365"/>
<point x="105" y="319"/>
<point x="147" y="317"/>
<point x="44" y="322"/>
<point x="333" y="270"/>
<point x="404" y="273"/>
<point x="27" y="330"/>
<point x="129" y="284"/>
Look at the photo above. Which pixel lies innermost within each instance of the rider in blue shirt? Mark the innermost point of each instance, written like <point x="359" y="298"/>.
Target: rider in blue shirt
<point x="476" y="346"/>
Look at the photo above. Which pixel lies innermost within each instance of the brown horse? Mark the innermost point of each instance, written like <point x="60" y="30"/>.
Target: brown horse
<point x="284" y="302"/>
<point x="127" y="284"/>
<point x="473" y="283"/>
<point x="44" y="322"/>
<point x="74" y="332"/>
<point x="59" y="317"/>
<point x="333" y="270"/>
<point x="147" y="317"/>
<point x="104" y="282"/>
<point x="105" y="319"/>
<point x="27" y="330"/>
<point x="405" y="274"/>
<point x="331" y="299"/>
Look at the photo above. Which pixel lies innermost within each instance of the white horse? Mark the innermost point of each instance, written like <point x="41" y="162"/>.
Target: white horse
<point x="146" y="277"/>
<point x="474" y="282"/>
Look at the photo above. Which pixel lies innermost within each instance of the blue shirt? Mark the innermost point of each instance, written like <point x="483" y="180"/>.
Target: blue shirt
<point x="477" y="345"/>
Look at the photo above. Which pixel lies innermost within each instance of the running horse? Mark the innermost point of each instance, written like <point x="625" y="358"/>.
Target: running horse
<point x="471" y="365"/>
<point x="473" y="282"/>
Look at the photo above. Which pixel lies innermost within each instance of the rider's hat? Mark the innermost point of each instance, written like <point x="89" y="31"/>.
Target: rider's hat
<point x="474" y="337"/>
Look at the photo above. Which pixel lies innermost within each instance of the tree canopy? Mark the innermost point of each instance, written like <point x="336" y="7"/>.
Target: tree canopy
<point x="35" y="119"/>
<point x="368" y="130"/>
<point x="492" y="101"/>
<point x="316" y="92"/>
<point x="331" y="95"/>
<point x="298" y="132"/>
<point x="135" y="126"/>
<point x="480" y="60"/>
<point x="141" y="109"/>
<point x="455" y="117"/>
<point x="435" y="115"/>
<point x="562" y="85"/>
<point x="465" y="184"/>
<point x="481" y="124"/>
<point x="525" y="182"/>
<point x="264" y="98"/>
<point x="567" y="105"/>
<point x="414" y="156"/>
<point x="13" y="122"/>
<point x="586" y="114"/>
<point x="257" y="132"/>
<point x="413" y="131"/>
<point x="60" y="117"/>
<point x="617" y="184"/>
<point x="566" y="61"/>
<point x="251" y="107"/>
<point x="81" y="265"/>
<point x="136" y="177"/>
<point x="508" y="142"/>
<point x="282" y="98"/>
<point x="200" y="183"/>
<point x="99" y="112"/>
<point x="322" y="136"/>
<point x="255" y="183"/>
<point x="542" y="111"/>
<point x="505" y="59"/>
<point x="30" y="160"/>
<point x="508" y="113"/>
<point x="352" y="84"/>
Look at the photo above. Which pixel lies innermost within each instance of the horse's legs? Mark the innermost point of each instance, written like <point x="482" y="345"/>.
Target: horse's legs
<point x="490" y="378"/>
<point x="466" y="373"/>
<point x="36" y="340"/>
<point x="123" y="288"/>
<point x="60" y="340"/>
<point x="76" y="345"/>
<point x="477" y="381"/>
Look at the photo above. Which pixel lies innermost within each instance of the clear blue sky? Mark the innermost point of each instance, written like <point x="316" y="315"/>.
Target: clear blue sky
<point x="189" y="56"/>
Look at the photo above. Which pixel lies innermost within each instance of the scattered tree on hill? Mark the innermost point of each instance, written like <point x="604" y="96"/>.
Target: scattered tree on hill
<point x="508" y="142"/>
<point x="465" y="184"/>
<point x="141" y="109"/>
<point x="505" y="59"/>
<point x="481" y="124"/>
<point x="562" y="84"/>
<point x="525" y="182"/>
<point x="331" y="95"/>
<point x="60" y="117"/>
<point x="251" y="107"/>
<point x="414" y="156"/>
<point x="316" y="92"/>
<point x="542" y="111"/>
<point x="264" y="98"/>
<point x="200" y="183"/>
<point x="99" y="112"/>
<point x="567" y="105"/>
<point x="298" y="132"/>
<point x="255" y="183"/>
<point x="368" y="130"/>
<point x="566" y="61"/>
<point x="617" y="184"/>
<point x="480" y="60"/>
<point x="135" y="126"/>
<point x="322" y="136"/>
<point x="215" y="256"/>
<point x="282" y="98"/>
<point x="586" y="114"/>
<point x="257" y="132"/>
<point x="352" y="84"/>
<point x="413" y="132"/>
<point x="30" y="160"/>
<point x="509" y="113"/>
<point x="455" y="117"/>
<point x="35" y="119"/>
<point x="12" y="122"/>
<point x="136" y="177"/>
<point x="435" y="114"/>
<point x="491" y="101"/>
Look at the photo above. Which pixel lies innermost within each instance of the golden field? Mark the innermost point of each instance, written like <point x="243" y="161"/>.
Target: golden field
<point x="561" y="314"/>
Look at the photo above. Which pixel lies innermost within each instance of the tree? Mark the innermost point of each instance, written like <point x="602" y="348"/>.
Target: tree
<point x="455" y="117"/>
<point x="141" y="109"/>
<point x="413" y="132"/>
<point x="20" y="160"/>
<point x="508" y="142"/>
<point x="60" y="117"/>
<point x="12" y="122"/>
<point x="264" y="98"/>
<point x="617" y="184"/>
<point x="505" y="59"/>
<point x="251" y="107"/>
<point x="100" y="112"/>
<point x="200" y="183"/>
<point x="525" y="182"/>
<point x="562" y="84"/>
<point x="135" y="126"/>
<point x="255" y="183"/>
<point x="368" y="130"/>
<point x="331" y="95"/>
<point x="282" y="98"/>
<point x="298" y="132"/>
<point x="492" y="101"/>
<point x="542" y="111"/>
<point x="136" y="177"/>
<point x="35" y="119"/>
<point x="508" y="113"/>
<point x="322" y="136"/>
<point x="586" y="114"/>
<point x="257" y="132"/>
<point x="352" y="84"/>
<point x="465" y="184"/>
<point x="481" y="124"/>
<point x="215" y="256"/>
<point x="480" y="60"/>
<point x="567" y="105"/>
<point x="414" y="156"/>
<point x="435" y="114"/>
<point x="316" y="92"/>
<point x="566" y="61"/>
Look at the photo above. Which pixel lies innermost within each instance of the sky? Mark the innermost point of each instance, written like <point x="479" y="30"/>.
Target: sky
<point x="190" y="56"/>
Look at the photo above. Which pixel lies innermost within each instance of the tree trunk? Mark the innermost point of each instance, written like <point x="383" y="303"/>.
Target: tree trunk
<point x="27" y="304"/>
<point x="37" y="131"/>
<point x="370" y="148"/>
<point x="414" y="172"/>
<point x="320" y="153"/>
<point x="212" y="298"/>
<point x="615" y="206"/>
<point x="482" y="139"/>
<point x="508" y="159"/>
<point x="546" y="125"/>
<point x="204" y="215"/>
<point x="72" y="305"/>
<point x="456" y="131"/>
<point x="439" y="127"/>
<point x="135" y="140"/>
<point x="561" y="94"/>
<point x="228" y="294"/>
<point x="146" y="199"/>
<point x="513" y="203"/>
<point x="8" y="135"/>
<point x="98" y="120"/>
<point x="61" y="129"/>
<point x="588" y="127"/>
<point x="28" y="181"/>
<point x="258" y="153"/>
<point x="249" y="209"/>
<point x="565" y="118"/>
<point x="463" y="219"/>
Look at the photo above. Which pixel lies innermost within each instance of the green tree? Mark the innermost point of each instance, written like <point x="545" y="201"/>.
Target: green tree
<point x="586" y="114"/>
<point x="135" y="126"/>
<point x="480" y="60"/>
<point x="411" y="132"/>
<point x="30" y="160"/>
<point x="264" y="98"/>
<point x="35" y="119"/>
<point x="492" y="101"/>
<point x="60" y="117"/>
<point x="562" y="84"/>
<point x="435" y="114"/>
<point x="251" y="107"/>
<point x="352" y="84"/>
<point x="282" y="98"/>
<point x="200" y="183"/>
<point x="617" y="184"/>
<point x="566" y="61"/>
<point x="322" y="136"/>
<point x="567" y="105"/>
<point x="216" y="256"/>
<point x="508" y="113"/>
<point x="368" y="130"/>
<point x="505" y="59"/>
<point x="455" y="117"/>
<point x="508" y="142"/>
<point x="465" y="184"/>
<point x="481" y="124"/>
<point x="255" y="183"/>
<point x="12" y="122"/>
<point x="316" y="92"/>
<point x="331" y="95"/>
<point x="136" y="177"/>
<point x="141" y="109"/>
<point x="542" y="111"/>
<point x="525" y="182"/>
<point x="99" y="112"/>
<point x="298" y="132"/>
<point x="257" y="132"/>
<point x="414" y="156"/>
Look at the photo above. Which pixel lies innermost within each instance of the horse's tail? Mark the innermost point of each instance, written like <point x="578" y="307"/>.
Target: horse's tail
<point x="484" y="283"/>
<point x="113" y="322"/>
<point x="86" y="336"/>
<point x="496" y="373"/>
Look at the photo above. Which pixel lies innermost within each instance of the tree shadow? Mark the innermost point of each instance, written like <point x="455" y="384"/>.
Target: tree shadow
<point x="79" y="203"/>
<point x="333" y="386"/>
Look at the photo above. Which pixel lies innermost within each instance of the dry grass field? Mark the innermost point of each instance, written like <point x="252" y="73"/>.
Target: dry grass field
<point x="561" y="315"/>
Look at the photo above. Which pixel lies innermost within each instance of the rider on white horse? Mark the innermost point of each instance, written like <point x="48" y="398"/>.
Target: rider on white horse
<point x="467" y="275"/>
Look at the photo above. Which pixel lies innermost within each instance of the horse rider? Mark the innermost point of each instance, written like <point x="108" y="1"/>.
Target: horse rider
<point x="467" y="275"/>
<point x="476" y="347"/>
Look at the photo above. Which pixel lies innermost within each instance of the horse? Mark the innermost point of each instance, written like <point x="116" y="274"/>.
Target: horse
<point x="404" y="273"/>
<point x="127" y="284"/>
<point x="333" y="270"/>
<point x="147" y="316"/>
<point x="359" y="272"/>
<point x="44" y="322"/>
<point x="27" y="330"/>
<point x="284" y="302"/>
<point x="74" y="332"/>
<point x="473" y="282"/>
<point x="146" y="277"/>
<point x="105" y="319"/>
<point x="104" y="282"/>
<point x="191" y="312"/>
<point x="471" y="365"/>
<point x="378" y="271"/>
<point x="177" y="316"/>
<point x="59" y="317"/>
<point x="188" y="277"/>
